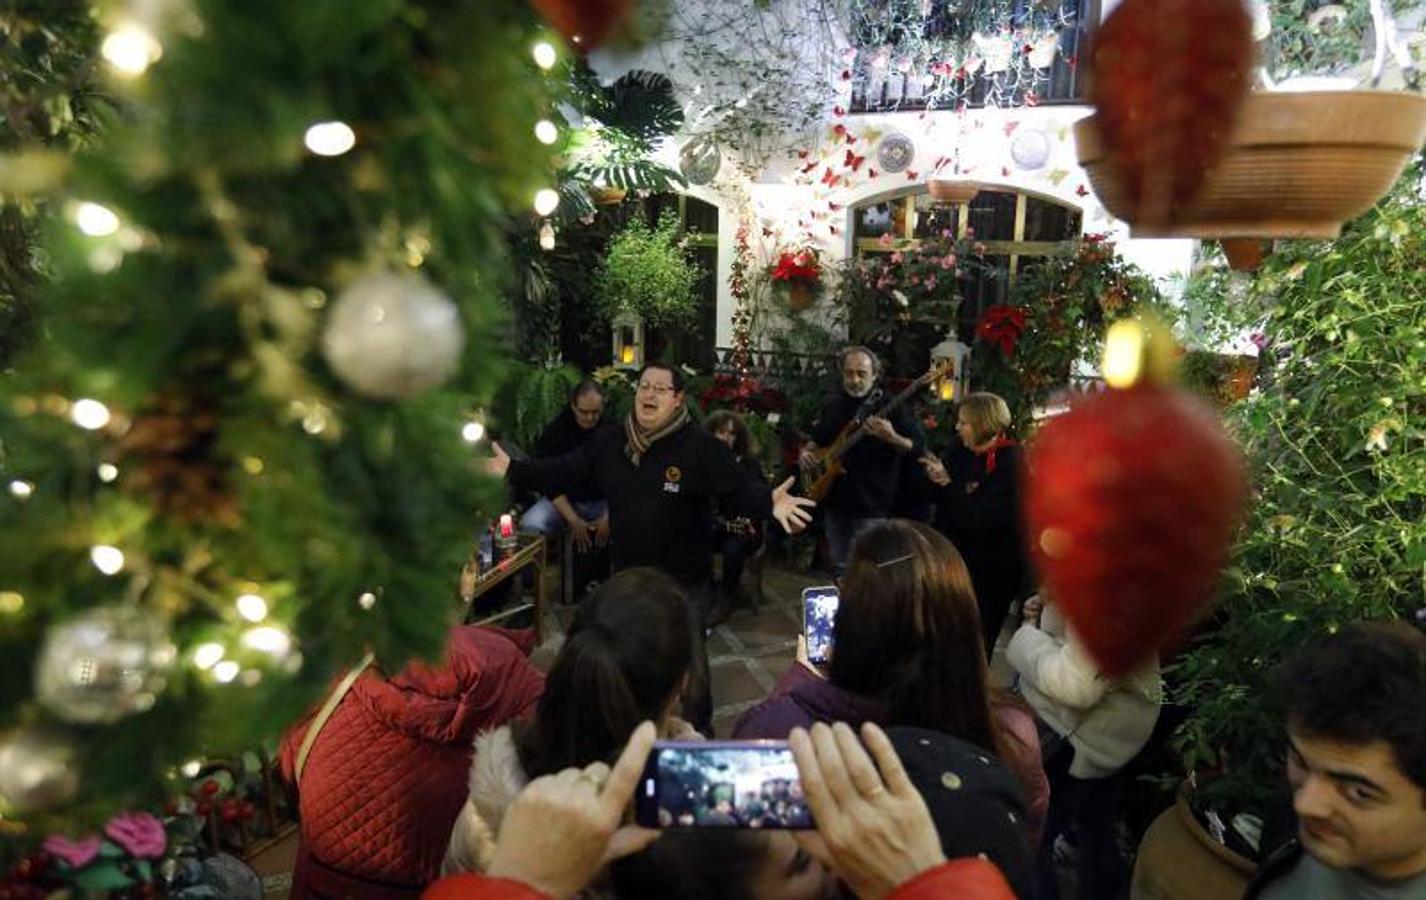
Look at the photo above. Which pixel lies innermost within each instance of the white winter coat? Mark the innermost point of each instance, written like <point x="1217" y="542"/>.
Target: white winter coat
<point x="1107" y="721"/>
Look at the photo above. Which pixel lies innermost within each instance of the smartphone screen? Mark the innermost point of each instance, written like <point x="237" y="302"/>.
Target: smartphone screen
<point x="721" y="784"/>
<point x="819" y="614"/>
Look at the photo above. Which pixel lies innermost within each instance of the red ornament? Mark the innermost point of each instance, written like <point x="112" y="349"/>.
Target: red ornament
<point x="586" y="23"/>
<point x="1168" y="78"/>
<point x="1132" y="500"/>
<point x="209" y="788"/>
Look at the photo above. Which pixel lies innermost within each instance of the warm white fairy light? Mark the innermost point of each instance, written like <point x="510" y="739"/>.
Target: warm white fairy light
<point x="191" y="768"/>
<point x="89" y="414"/>
<point x="1123" y="354"/>
<point x="268" y="639"/>
<point x="547" y="200"/>
<point x="547" y="236"/>
<point x="21" y="489"/>
<point x="330" y="138"/>
<point x="546" y="132"/>
<point x="545" y="55"/>
<point x="131" y="49"/>
<point x="473" y="431"/>
<point x="107" y="559"/>
<point x="367" y="600"/>
<point x="11" y="602"/>
<point x="206" y="656"/>
<point x="225" y="671"/>
<point x="108" y="472"/>
<point x="95" y="219"/>
<point x="252" y="607"/>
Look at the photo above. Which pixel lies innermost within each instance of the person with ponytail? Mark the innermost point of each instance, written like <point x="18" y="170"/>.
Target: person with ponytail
<point x="907" y="652"/>
<point x="625" y="660"/>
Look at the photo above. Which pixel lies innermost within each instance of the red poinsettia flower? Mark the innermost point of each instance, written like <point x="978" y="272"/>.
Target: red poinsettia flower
<point x="1001" y="326"/>
<point x="797" y="266"/>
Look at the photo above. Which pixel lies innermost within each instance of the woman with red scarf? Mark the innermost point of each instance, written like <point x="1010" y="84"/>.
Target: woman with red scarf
<point x="977" y="493"/>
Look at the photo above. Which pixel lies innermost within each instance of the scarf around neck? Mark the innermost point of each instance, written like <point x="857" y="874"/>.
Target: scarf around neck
<point x="1000" y="441"/>
<point x="638" y="441"/>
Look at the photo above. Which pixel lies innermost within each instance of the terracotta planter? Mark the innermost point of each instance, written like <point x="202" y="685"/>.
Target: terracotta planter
<point x="800" y="295"/>
<point x="1299" y="165"/>
<point x="1178" y="860"/>
<point x="943" y="191"/>
<point x="1239" y="382"/>
<point x="1244" y="254"/>
<point x="608" y="195"/>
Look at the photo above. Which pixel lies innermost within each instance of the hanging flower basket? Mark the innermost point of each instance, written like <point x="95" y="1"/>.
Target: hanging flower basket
<point x="800" y="295"/>
<point x="946" y="191"/>
<point x="1299" y="165"/>
<point x="608" y="195"/>
<point x="799" y="272"/>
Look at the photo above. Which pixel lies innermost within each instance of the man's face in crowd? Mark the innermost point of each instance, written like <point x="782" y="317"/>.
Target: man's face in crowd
<point x="1356" y="808"/>
<point x="587" y="409"/>
<point x="656" y="399"/>
<point x="858" y="373"/>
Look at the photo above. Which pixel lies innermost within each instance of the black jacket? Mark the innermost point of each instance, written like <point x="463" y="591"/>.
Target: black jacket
<point x="980" y="513"/>
<point x="660" y="512"/>
<point x="563" y="435"/>
<point x="868" y="487"/>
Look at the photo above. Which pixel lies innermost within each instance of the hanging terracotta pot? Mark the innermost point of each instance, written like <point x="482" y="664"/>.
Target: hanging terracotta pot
<point x="1299" y="165"/>
<point x="800" y="295"/>
<point x="1178" y="860"/>
<point x="1244" y="254"/>
<point x="608" y="195"/>
<point x="945" y="191"/>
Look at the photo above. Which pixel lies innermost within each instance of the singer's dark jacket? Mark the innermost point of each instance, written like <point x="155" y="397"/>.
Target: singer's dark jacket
<point x="660" y="512"/>
<point x="868" y="488"/>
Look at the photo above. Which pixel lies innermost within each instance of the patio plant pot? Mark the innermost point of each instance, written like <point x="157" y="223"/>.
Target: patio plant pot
<point x="1178" y="860"/>
<point x="1299" y="164"/>
<point x="944" y="191"/>
<point x="608" y="195"/>
<point x="800" y="295"/>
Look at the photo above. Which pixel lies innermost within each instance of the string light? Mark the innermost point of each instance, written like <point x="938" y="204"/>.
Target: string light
<point x="95" y="220"/>
<point x="11" y="602"/>
<point x="547" y="200"/>
<point x="21" y="489"/>
<point x="107" y="559"/>
<point x="545" y="55"/>
<point x="252" y="607"/>
<point x="191" y="768"/>
<point x="547" y="236"/>
<point x="89" y="414"/>
<point x="546" y="132"/>
<point x="330" y="138"/>
<point x="268" y="639"/>
<point x="131" y="49"/>
<point x="473" y="431"/>
<point x="206" y="656"/>
<point x="225" y="671"/>
<point x="1123" y="354"/>
<point x="108" y="472"/>
<point x="367" y="600"/>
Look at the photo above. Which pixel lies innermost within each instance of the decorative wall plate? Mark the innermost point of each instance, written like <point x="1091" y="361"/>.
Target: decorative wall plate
<point x="1030" y="148"/>
<point x="700" y="160"/>
<point x="895" y="152"/>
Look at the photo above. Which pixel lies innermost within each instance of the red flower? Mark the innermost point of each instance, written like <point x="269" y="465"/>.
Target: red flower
<point x="1001" y="326"/>
<point x="797" y="267"/>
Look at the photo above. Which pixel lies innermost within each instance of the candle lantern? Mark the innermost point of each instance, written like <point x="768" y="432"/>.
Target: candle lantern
<point x="953" y="387"/>
<point x="628" y="341"/>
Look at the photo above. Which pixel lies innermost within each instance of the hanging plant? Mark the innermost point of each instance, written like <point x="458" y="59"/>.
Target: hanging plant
<point x="647" y="273"/>
<point x="797" y="277"/>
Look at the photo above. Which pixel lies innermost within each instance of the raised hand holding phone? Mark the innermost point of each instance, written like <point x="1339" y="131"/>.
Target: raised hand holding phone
<point x="819" y="616"/>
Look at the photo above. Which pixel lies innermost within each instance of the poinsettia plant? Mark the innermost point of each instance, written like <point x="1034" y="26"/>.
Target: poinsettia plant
<point x="796" y="275"/>
<point x="1056" y="317"/>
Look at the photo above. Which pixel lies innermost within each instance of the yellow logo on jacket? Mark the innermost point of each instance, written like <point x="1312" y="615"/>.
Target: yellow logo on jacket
<point x="671" y="477"/>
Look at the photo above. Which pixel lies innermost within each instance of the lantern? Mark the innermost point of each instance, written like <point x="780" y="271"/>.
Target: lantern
<point x="628" y="341"/>
<point x="956" y="383"/>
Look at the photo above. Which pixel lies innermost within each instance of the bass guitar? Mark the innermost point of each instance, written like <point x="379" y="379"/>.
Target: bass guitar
<point x="818" y="479"/>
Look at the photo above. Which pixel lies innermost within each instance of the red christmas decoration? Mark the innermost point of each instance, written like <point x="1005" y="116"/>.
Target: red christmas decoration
<point x="587" y="23"/>
<point x="1132" y="501"/>
<point x="1168" y="79"/>
<point x="1000" y="326"/>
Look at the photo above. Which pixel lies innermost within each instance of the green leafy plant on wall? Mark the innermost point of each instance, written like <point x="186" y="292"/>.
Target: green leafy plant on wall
<point x="622" y="125"/>
<point x="1336" y="532"/>
<point x="646" y="272"/>
<point x="532" y="396"/>
<point x="1056" y="319"/>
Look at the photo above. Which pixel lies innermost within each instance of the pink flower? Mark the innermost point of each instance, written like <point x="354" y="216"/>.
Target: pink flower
<point x="897" y="257"/>
<point x="930" y="282"/>
<point x="948" y="261"/>
<point x="140" y="834"/>
<point x="78" y="853"/>
<point x="885" y="240"/>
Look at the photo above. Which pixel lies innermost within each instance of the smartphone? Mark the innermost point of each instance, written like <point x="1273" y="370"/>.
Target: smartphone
<point x="819" y="614"/>
<point x="721" y="784"/>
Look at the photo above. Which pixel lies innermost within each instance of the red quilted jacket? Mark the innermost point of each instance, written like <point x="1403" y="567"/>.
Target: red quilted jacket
<point x="387" y="777"/>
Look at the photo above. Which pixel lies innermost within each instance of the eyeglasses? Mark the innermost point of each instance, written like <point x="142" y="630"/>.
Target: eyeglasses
<point x="659" y="389"/>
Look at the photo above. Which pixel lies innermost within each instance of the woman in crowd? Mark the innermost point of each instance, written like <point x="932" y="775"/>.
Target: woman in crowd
<point x="907" y="652"/>
<point x="1095" y="726"/>
<point x="739" y="538"/>
<point x="626" y="659"/>
<point x="977" y="493"/>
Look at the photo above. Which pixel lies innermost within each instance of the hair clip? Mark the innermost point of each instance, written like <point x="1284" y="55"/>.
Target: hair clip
<point x="892" y="562"/>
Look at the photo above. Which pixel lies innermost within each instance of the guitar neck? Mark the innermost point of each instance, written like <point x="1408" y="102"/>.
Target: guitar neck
<point x="837" y="452"/>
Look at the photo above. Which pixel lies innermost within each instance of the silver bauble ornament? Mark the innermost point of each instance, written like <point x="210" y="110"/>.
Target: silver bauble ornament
<point x="37" y="771"/>
<point x="393" y="335"/>
<point x="103" y="665"/>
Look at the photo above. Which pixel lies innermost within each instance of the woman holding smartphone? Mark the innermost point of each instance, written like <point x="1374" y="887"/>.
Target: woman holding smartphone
<point x="907" y="651"/>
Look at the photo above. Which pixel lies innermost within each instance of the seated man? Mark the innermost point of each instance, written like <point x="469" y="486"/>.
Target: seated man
<point x="1356" y="761"/>
<point x="581" y="509"/>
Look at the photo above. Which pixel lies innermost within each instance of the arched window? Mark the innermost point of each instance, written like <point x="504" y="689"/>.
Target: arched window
<point x="1018" y="228"/>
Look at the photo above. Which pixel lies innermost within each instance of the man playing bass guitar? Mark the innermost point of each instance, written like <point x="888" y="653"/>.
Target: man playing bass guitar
<point x="862" y="496"/>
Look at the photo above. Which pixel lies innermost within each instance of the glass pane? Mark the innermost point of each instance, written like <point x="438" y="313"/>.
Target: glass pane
<point x="981" y="289"/>
<point x="1047" y="221"/>
<point x="932" y="218"/>
<point x="992" y="216"/>
<point x="873" y="221"/>
<point x="700" y="217"/>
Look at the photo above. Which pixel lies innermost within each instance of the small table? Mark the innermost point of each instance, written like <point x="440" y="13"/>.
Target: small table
<point x="531" y="554"/>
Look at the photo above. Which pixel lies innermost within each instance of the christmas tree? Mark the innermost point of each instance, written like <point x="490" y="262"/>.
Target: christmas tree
<point x="238" y="453"/>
